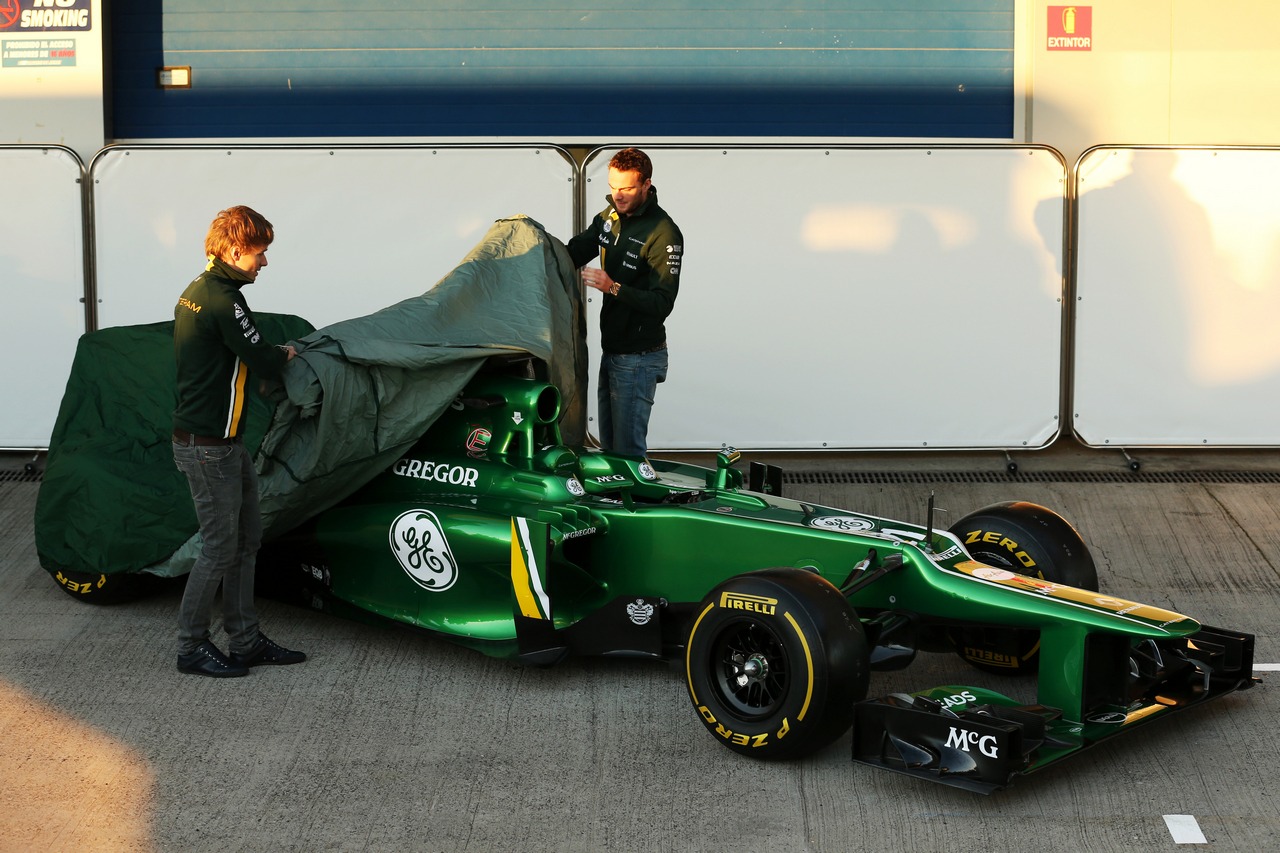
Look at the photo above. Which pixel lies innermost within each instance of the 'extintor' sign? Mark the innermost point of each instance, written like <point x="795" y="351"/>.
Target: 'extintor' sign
<point x="1070" y="28"/>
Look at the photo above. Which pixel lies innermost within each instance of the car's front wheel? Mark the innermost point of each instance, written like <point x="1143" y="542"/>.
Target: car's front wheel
<point x="1030" y="540"/>
<point x="775" y="661"/>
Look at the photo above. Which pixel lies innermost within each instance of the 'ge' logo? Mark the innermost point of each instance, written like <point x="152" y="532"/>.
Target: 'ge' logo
<point x="423" y="552"/>
<point x="841" y="523"/>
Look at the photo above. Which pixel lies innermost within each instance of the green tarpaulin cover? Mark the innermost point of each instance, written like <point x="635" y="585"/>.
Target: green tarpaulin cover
<point x="359" y="394"/>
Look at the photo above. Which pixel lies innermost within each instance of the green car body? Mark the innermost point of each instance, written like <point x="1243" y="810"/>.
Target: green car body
<point x="493" y="534"/>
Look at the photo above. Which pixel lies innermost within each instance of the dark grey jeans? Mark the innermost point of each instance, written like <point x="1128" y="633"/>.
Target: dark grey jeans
<point x="224" y="486"/>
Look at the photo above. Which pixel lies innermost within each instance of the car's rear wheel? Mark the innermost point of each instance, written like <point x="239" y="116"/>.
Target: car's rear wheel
<point x="775" y="661"/>
<point x="1030" y="540"/>
<point x="99" y="588"/>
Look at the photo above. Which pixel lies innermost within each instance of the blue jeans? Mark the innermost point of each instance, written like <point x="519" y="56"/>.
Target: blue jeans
<point x="224" y="486"/>
<point x="624" y="397"/>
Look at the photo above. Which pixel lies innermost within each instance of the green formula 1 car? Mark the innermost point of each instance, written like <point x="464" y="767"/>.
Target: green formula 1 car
<point x="491" y="533"/>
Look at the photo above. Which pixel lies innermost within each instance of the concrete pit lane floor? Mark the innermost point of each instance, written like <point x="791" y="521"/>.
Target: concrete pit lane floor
<point x="390" y="740"/>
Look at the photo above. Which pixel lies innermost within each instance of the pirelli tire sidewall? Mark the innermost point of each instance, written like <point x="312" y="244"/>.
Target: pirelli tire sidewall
<point x="803" y="633"/>
<point x="99" y="588"/>
<point x="1030" y="540"/>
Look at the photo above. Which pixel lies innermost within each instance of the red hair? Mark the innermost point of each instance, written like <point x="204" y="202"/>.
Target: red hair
<point x="240" y="228"/>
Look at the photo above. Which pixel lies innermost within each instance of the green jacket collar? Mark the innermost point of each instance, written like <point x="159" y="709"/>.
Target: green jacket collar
<point x="225" y="270"/>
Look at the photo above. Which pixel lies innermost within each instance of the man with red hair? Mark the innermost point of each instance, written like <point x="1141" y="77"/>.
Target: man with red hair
<point x="216" y="343"/>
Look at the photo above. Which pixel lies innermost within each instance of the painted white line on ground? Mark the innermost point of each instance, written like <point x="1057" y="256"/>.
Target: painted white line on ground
<point x="1184" y="829"/>
<point x="1266" y="667"/>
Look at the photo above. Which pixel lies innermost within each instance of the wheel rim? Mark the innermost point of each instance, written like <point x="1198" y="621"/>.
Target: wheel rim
<point x="749" y="669"/>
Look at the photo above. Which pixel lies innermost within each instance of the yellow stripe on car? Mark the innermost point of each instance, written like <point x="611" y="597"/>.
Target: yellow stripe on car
<point x="530" y="596"/>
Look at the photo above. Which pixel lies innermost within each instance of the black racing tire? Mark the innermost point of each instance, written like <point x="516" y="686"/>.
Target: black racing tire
<point x="775" y="661"/>
<point x="99" y="588"/>
<point x="1030" y="540"/>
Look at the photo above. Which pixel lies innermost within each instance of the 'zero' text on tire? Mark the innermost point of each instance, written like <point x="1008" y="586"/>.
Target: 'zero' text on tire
<point x="1030" y="540"/>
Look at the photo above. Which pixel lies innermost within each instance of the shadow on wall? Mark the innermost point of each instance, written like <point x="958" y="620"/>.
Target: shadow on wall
<point x="1175" y="313"/>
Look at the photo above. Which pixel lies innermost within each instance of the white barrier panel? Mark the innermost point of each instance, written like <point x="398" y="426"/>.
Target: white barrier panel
<point x="42" y="283"/>
<point x="863" y="298"/>
<point x="357" y="228"/>
<point x="1178" y="295"/>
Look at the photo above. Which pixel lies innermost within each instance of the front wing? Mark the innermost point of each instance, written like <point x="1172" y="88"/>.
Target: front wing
<point x="980" y="740"/>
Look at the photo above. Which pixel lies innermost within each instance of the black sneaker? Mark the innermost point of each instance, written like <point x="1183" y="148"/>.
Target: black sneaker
<point x="267" y="652"/>
<point x="205" y="659"/>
